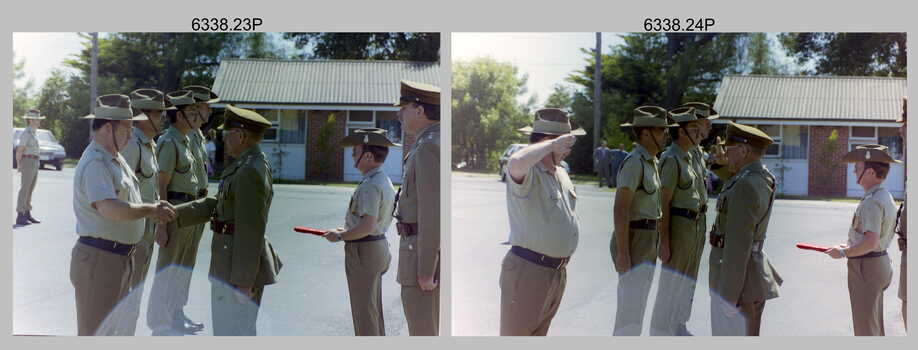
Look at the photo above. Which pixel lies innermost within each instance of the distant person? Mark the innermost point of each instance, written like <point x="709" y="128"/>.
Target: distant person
<point x="211" y="148"/>
<point x="27" y="160"/>
<point x="601" y="164"/>
<point x="616" y="156"/>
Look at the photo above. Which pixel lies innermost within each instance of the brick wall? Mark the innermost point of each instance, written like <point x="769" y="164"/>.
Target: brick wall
<point x="822" y="181"/>
<point x="314" y="153"/>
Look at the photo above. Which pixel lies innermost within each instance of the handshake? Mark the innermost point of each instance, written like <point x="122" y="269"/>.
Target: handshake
<point x="162" y="214"/>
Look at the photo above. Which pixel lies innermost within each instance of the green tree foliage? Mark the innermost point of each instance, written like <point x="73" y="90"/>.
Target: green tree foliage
<point x="421" y="47"/>
<point x="485" y="111"/>
<point x="760" y="57"/>
<point x="851" y="54"/>
<point x="21" y="99"/>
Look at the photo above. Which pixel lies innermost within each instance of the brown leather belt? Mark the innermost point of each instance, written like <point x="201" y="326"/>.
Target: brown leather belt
<point x="180" y="196"/>
<point x="406" y="229"/>
<point x="539" y="258"/>
<point x="222" y="227"/>
<point x="29" y="156"/>
<point x="645" y="224"/>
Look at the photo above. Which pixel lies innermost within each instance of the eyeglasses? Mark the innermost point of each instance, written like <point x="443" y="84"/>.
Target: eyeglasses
<point x="227" y="132"/>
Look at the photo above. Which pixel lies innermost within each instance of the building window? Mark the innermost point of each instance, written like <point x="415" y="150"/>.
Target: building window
<point x="889" y="137"/>
<point x="272" y="116"/>
<point x="292" y="127"/>
<point x="773" y="131"/>
<point x="360" y="116"/>
<point x="794" y="141"/>
<point x="861" y="132"/>
<point x="388" y="120"/>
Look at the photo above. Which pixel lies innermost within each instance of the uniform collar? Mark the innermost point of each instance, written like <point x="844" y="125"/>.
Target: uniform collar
<point x="754" y="166"/>
<point x="641" y="151"/>
<point x="876" y="188"/>
<point x="435" y="127"/>
<point x="140" y="135"/>
<point x="98" y="148"/>
<point x="255" y="149"/>
<point x="178" y="134"/>
<point x="684" y="154"/>
<point x="372" y="172"/>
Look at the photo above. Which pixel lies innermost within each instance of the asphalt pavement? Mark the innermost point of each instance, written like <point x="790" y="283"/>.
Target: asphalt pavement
<point x="310" y="298"/>
<point x="813" y="299"/>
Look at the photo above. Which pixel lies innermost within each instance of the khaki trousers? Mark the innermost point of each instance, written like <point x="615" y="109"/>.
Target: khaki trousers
<point x="676" y="291"/>
<point x="29" y="168"/>
<point x="169" y="292"/>
<point x="747" y="322"/>
<point x="100" y="280"/>
<point x="143" y="254"/>
<point x="422" y="310"/>
<point x="530" y="295"/>
<point x="868" y="278"/>
<point x="364" y="265"/>
<point x="634" y="284"/>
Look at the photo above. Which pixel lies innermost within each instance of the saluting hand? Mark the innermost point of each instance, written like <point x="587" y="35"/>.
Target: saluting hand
<point x="563" y="144"/>
<point x="427" y="284"/>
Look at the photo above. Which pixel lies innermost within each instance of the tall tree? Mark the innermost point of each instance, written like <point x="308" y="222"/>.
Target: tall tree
<point x="21" y="88"/>
<point x="485" y="111"/>
<point x="421" y="47"/>
<point x="852" y="54"/>
<point x="760" y="58"/>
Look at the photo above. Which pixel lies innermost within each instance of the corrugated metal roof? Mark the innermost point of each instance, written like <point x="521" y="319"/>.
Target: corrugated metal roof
<point x="345" y="82"/>
<point x="811" y="98"/>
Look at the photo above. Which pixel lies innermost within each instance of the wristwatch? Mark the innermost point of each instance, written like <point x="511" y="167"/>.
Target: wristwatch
<point x="844" y="253"/>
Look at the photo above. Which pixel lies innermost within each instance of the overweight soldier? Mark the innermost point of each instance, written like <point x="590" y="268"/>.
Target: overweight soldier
<point x="242" y="260"/>
<point x="869" y="267"/>
<point x="178" y="183"/>
<point x="366" y="250"/>
<point x="682" y="233"/>
<point x="741" y="277"/>
<point x="544" y="226"/>
<point x="140" y="156"/>
<point x="27" y="154"/>
<point x="901" y="223"/>
<point x="637" y="216"/>
<point x="418" y="212"/>
<point x="110" y="215"/>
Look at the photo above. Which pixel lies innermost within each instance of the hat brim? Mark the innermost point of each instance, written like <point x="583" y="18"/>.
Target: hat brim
<point x="630" y="125"/>
<point x="576" y="132"/>
<point x="137" y="117"/>
<point x="36" y="118"/>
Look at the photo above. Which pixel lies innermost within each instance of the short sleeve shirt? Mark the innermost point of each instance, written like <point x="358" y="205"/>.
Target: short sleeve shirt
<point x="139" y="154"/>
<point x="99" y="176"/>
<point x="542" y="212"/>
<point x="875" y="213"/>
<point x="639" y="173"/>
<point x="678" y="173"/>
<point x="196" y="145"/>
<point x="29" y="141"/>
<point x="374" y="196"/>
<point x="174" y="157"/>
<point x="701" y="169"/>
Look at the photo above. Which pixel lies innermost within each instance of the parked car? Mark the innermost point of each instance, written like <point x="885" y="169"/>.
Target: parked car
<point x="51" y="151"/>
<point x="504" y="158"/>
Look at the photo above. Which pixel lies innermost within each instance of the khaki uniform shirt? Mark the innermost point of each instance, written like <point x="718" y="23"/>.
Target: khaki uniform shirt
<point x="100" y="176"/>
<point x="543" y="212"/>
<point x="875" y="213"/>
<point x="175" y="157"/>
<point x="29" y="141"/>
<point x="699" y="156"/>
<point x="640" y="174"/>
<point x="374" y="196"/>
<point x="419" y="202"/>
<point x="139" y="155"/>
<point x="678" y="172"/>
<point x="196" y="145"/>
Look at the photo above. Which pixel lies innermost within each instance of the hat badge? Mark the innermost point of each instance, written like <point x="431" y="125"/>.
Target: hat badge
<point x="868" y="155"/>
<point x="366" y="138"/>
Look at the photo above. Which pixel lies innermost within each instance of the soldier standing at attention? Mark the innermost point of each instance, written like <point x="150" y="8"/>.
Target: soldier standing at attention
<point x="366" y="251"/>
<point x="869" y="269"/>
<point x="418" y="210"/>
<point x="140" y="156"/>
<point x="681" y="232"/>
<point x="110" y="215"/>
<point x="242" y="260"/>
<point x="179" y="183"/>
<point x="901" y="223"/>
<point x="27" y="154"/>
<point x="636" y="214"/>
<point x="544" y="226"/>
<point x="741" y="277"/>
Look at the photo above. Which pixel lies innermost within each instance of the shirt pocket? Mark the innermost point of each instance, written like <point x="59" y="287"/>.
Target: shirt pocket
<point x="650" y="181"/>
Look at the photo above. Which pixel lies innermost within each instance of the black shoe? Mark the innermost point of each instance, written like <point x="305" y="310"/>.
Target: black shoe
<point x="184" y="324"/>
<point x="22" y="220"/>
<point x="28" y="216"/>
<point x="681" y="331"/>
